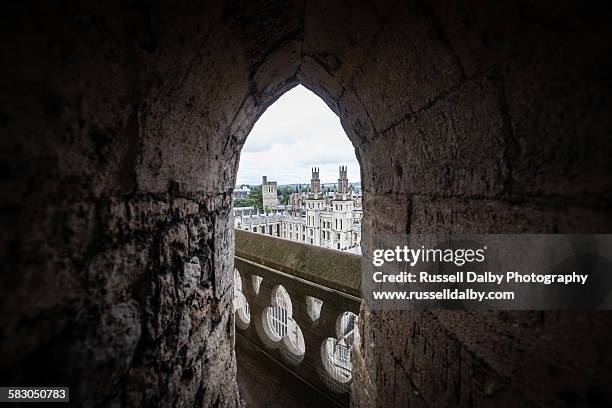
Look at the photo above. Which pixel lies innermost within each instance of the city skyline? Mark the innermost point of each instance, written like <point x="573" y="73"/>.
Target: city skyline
<point x="304" y="183"/>
<point x="296" y="133"/>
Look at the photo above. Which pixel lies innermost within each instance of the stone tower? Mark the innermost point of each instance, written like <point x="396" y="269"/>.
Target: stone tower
<point x="315" y="181"/>
<point x="343" y="181"/>
<point x="269" y="194"/>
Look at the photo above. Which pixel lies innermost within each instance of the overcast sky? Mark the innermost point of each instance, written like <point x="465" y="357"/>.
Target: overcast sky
<point x="296" y="133"/>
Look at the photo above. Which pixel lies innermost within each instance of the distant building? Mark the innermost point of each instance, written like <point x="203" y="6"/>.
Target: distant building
<point x="242" y="192"/>
<point x="245" y="211"/>
<point x="269" y="194"/>
<point x="330" y="220"/>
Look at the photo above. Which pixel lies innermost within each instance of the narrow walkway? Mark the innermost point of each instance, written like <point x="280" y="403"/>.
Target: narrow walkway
<point x="264" y="384"/>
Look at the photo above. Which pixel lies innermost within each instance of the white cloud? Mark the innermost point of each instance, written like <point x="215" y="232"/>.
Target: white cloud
<point x="296" y="133"/>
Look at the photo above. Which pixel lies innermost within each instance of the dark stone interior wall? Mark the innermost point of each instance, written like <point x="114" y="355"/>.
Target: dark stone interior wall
<point x="121" y="131"/>
<point x="486" y="119"/>
<point x="118" y="160"/>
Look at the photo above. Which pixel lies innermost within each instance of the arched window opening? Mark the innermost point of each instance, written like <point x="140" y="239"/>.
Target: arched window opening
<point x="299" y="180"/>
<point x="298" y="169"/>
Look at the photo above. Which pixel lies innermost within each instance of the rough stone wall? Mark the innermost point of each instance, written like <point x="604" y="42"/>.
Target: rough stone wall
<point x="117" y="120"/>
<point x="498" y="124"/>
<point x="122" y="125"/>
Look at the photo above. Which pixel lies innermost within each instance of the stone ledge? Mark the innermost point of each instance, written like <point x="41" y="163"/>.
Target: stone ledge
<point x="331" y="268"/>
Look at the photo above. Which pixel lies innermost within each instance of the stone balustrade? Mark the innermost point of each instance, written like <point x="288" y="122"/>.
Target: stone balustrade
<point x="299" y="304"/>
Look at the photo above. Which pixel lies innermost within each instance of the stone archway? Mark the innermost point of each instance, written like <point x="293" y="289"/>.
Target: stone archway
<point x="122" y="155"/>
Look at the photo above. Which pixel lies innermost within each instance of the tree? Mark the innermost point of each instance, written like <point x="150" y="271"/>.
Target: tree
<point x="283" y="194"/>
<point x="242" y="202"/>
<point x="254" y="199"/>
